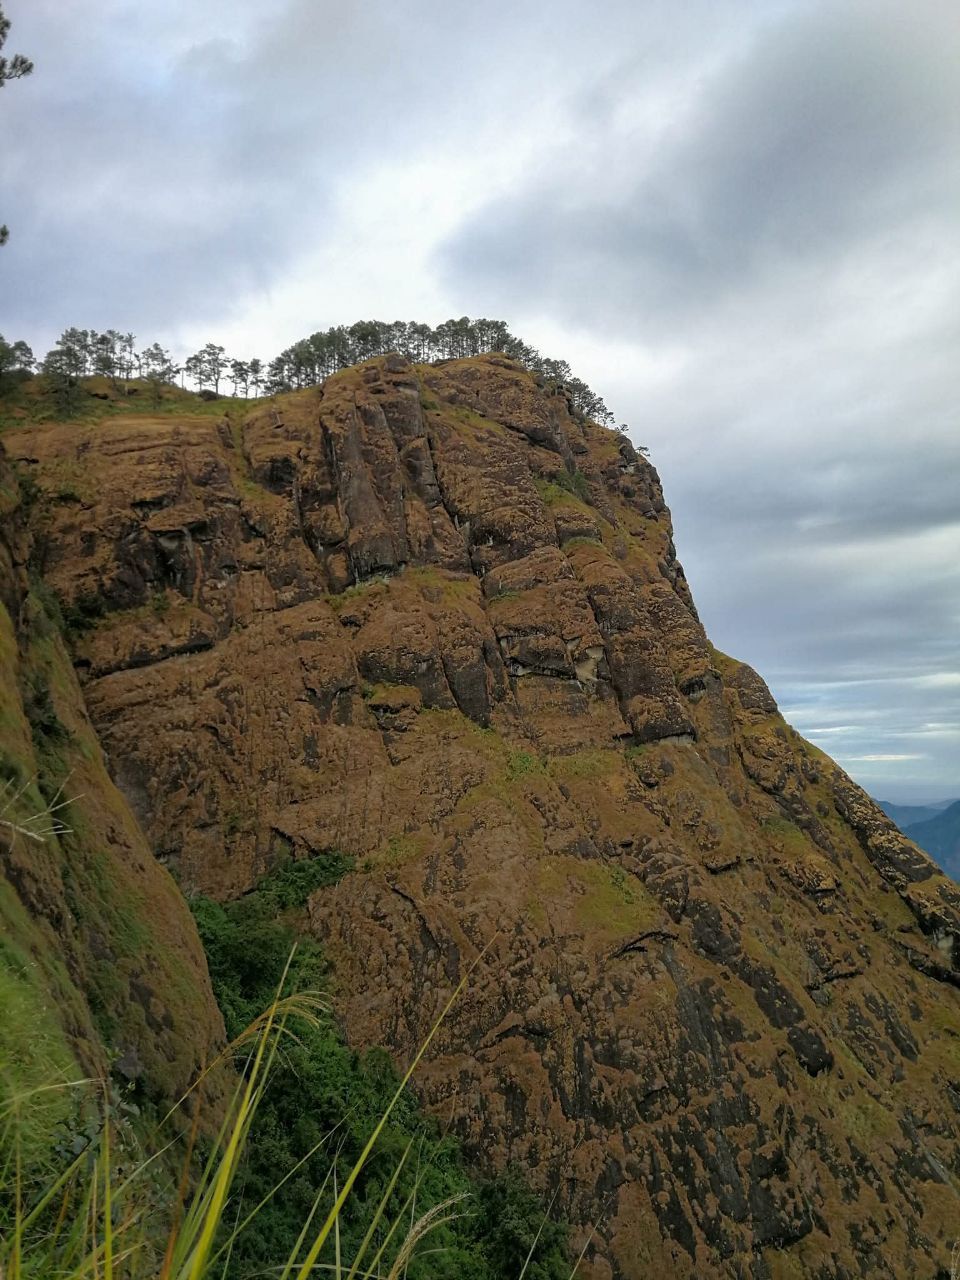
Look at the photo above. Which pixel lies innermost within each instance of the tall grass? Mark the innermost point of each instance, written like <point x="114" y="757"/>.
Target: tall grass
<point x="18" y="818"/>
<point x="95" y="1220"/>
<point x="114" y="1213"/>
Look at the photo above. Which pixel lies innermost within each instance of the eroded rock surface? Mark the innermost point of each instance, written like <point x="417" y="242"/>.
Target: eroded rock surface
<point x="426" y="617"/>
<point x="96" y="939"/>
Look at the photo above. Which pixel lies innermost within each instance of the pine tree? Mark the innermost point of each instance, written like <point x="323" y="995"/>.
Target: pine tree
<point x="10" y="69"/>
<point x="214" y="361"/>
<point x="240" y="373"/>
<point x="158" y="369"/>
<point x="15" y="357"/>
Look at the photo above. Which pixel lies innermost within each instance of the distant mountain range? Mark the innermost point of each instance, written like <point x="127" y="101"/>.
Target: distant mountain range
<point x="908" y="815"/>
<point x="935" y="828"/>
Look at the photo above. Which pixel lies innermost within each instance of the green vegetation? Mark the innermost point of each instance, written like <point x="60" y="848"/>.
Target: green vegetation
<point x="576" y="484"/>
<point x="785" y="830"/>
<point x="37" y="997"/>
<point x="51" y="739"/>
<point x="320" y="1086"/>
<point x="563" y="487"/>
<point x="310" y="1125"/>
<point x="79" y="873"/>
<point x="309" y="361"/>
<point x="33" y="1047"/>
<point x="589" y="763"/>
<point x="123" y="371"/>
<point x="401" y="849"/>
<point x="46" y="727"/>
<point x="848" y="1099"/>
<point x="160" y="603"/>
<point x="385" y="696"/>
<point x="604" y="899"/>
<point x="34" y="400"/>
<point x="521" y="764"/>
<point x="340" y="599"/>
<point x="440" y="584"/>
<point x="615" y="901"/>
<point x="82" y="615"/>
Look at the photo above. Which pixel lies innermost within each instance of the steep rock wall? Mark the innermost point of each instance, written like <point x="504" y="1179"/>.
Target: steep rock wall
<point x="100" y="965"/>
<point x="426" y="617"/>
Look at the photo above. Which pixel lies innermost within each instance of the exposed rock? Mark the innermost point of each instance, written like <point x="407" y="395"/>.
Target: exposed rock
<point x="426" y="617"/>
<point x="114" y="958"/>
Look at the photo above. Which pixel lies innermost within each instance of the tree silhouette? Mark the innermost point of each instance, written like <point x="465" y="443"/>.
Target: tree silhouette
<point x="213" y="359"/>
<point x="10" y="69"/>
<point x="240" y="374"/>
<point x="15" y="357"/>
<point x="158" y="368"/>
<point x="311" y="360"/>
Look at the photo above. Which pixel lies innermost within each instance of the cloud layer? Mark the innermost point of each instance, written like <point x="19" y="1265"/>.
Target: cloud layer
<point x="737" y="220"/>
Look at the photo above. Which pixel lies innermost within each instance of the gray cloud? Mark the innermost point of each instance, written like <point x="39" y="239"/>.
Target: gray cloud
<point x="125" y="200"/>
<point x="161" y="169"/>
<point x="836" y="125"/>
<point x="181" y="160"/>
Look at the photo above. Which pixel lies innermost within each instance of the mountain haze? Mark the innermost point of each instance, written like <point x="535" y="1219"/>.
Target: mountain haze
<point x="940" y="837"/>
<point x="908" y="815"/>
<point x="432" y="618"/>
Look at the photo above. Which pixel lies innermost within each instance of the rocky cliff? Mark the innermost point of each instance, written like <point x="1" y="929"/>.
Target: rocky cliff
<point x="100" y="965"/>
<point x="427" y="617"/>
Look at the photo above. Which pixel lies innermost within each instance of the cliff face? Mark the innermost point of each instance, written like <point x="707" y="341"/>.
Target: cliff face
<point x="427" y="618"/>
<point x="99" y="959"/>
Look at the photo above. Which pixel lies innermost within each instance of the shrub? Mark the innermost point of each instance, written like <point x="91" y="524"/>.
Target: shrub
<point x="562" y="485"/>
<point x="575" y="483"/>
<point x="83" y="614"/>
<point x="521" y="764"/>
<point x="320" y="1085"/>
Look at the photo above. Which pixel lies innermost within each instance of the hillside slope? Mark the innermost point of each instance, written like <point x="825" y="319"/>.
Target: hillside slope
<point x="426" y="616"/>
<point x="100" y="964"/>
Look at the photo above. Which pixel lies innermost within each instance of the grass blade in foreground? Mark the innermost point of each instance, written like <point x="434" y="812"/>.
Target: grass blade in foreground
<point x="314" y="1252"/>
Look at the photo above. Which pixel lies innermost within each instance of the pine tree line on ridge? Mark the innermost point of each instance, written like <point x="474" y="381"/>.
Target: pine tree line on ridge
<point x="80" y="353"/>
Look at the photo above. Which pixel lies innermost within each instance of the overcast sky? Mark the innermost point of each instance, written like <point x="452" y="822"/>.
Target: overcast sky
<point x="740" y="222"/>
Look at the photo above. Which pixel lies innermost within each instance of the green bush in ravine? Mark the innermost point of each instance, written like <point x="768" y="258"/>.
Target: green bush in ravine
<point x="320" y="1086"/>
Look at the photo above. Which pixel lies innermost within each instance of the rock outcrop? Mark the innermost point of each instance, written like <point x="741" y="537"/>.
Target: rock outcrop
<point x="100" y="964"/>
<point x="426" y="617"/>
